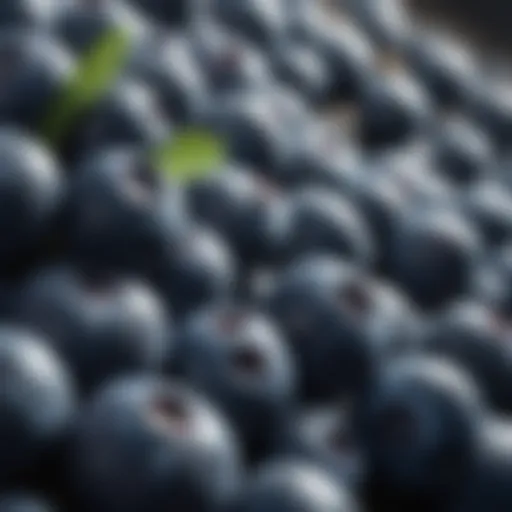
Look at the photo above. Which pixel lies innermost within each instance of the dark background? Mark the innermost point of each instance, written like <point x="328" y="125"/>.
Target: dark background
<point x="488" y="22"/>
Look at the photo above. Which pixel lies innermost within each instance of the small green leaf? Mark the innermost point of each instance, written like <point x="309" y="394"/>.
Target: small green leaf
<point x="191" y="154"/>
<point x="94" y="74"/>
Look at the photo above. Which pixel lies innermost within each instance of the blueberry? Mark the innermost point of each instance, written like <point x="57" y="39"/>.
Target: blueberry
<point x="31" y="191"/>
<point x="323" y="221"/>
<point x="152" y="444"/>
<point x="433" y="256"/>
<point x="394" y="108"/>
<point x="34" y="70"/>
<point x="419" y="422"/>
<point x="121" y="211"/>
<point x="172" y="70"/>
<point x="237" y="357"/>
<point x="37" y="402"/>
<point x="129" y="115"/>
<point x="324" y="307"/>
<point x="477" y="339"/>
<point x="83" y="23"/>
<point x="445" y="67"/>
<point x="103" y="326"/>
<point x="462" y="151"/>
<point x="290" y="485"/>
<point x="244" y="208"/>
<point x="197" y="269"/>
<point x="23" y="502"/>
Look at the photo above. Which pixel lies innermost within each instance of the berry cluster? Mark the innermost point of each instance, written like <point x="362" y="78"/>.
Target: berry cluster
<point x="319" y="321"/>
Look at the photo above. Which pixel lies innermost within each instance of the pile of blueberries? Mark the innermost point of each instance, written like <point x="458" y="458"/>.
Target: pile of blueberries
<point x="324" y="324"/>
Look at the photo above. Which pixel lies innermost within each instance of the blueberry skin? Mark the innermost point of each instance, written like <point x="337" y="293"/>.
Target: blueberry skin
<point x="121" y="213"/>
<point x="303" y="69"/>
<point x="395" y="326"/>
<point x="322" y="221"/>
<point x="386" y="22"/>
<point x="171" y="69"/>
<point x="321" y="158"/>
<point x="433" y="256"/>
<point x="34" y="70"/>
<point x="238" y="358"/>
<point x="463" y="152"/>
<point x="37" y="402"/>
<point x="290" y="485"/>
<point x="260" y="22"/>
<point x="492" y="281"/>
<point x="489" y="104"/>
<point x="168" y="14"/>
<point x="82" y="24"/>
<point x="130" y="116"/>
<point x="31" y="193"/>
<point x="304" y="20"/>
<point x="407" y="170"/>
<point x="382" y="205"/>
<point x="323" y="307"/>
<point x="197" y="269"/>
<point x="254" y="128"/>
<point x="348" y="53"/>
<point x="26" y="13"/>
<point x="23" y="502"/>
<point x="152" y="444"/>
<point x="489" y="486"/>
<point x="419" y="422"/>
<point x="311" y="166"/>
<point x="489" y="205"/>
<point x="501" y="167"/>
<point x="394" y="108"/>
<point x="101" y="325"/>
<point x="475" y="338"/>
<point x="244" y="208"/>
<point x="325" y="436"/>
<point x="447" y="69"/>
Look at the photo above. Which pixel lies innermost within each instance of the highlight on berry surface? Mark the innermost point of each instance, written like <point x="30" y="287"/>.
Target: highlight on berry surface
<point x="95" y="74"/>
<point x="190" y="154"/>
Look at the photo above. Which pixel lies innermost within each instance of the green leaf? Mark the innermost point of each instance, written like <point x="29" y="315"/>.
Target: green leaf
<point x="191" y="154"/>
<point x="94" y="75"/>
